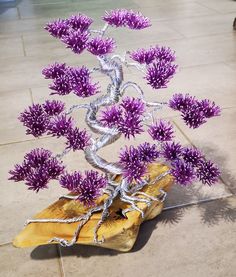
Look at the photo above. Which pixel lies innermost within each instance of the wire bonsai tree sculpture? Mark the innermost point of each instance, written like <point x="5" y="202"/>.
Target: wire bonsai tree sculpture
<point x="110" y="116"/>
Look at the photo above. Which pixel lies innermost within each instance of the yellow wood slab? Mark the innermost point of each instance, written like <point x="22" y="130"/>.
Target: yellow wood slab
<point x="120" y="233"/>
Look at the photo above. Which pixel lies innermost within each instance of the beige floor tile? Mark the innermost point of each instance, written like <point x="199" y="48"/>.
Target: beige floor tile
<point x="8" y="14"/>
<point x="220" y="6"/>
<point x="19" y="262"/>
<point x="11" y="105"/>
<point x="203" y="50"/>
<point x="157" y="3"/>
<point x="217" y="139"/>
<point x="203" y="26"/>
<point x="176" y="10"/>
<point x="11" y="47"/>
<point x="94" y="9"/>
<point x="179" y="242"/>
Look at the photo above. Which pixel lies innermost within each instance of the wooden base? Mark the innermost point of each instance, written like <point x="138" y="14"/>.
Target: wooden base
<point x="120" y="233"/>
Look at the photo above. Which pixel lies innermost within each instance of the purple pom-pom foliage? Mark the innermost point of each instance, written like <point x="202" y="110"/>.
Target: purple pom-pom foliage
<point x="53" y="107"/>
<point x="100" y="46"/>
<point x="127" y="116"/>
<point x="126" y="18"/>
<point x="77" y="139"/>
<point x="88" y="187"/>
<point x="171" y="151"/>
<point x="67" y="79"/>
<point x="72" y="31"/>
<point x="135" y="160"/>
<point x="37" y="169"/>
<point x="207" y="172"/>
<point x="161" y="131"/>
<point x="193" y="111"/>
<point x="183" y="172"/>
<point x="60" y="125"/>
<point x="159" y="74"/>
<point x="158" y="54"/>
<point x="58" y="28"/>
<point x="35" y="120"/>
<point x="76" y="41"/>
<point x="80" y="82"/>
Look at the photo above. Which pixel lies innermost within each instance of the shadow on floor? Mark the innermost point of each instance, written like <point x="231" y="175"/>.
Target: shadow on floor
<point x="212" y="212"/>
<point x="7" y="4"/>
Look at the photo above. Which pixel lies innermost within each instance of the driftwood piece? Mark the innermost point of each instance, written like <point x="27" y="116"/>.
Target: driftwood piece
<point x="119" y="232"/>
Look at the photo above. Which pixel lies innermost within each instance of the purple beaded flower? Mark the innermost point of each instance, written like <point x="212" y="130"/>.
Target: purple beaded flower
<point x="79" y="22"/>
<point x="144" y="56"/>
<point x="91" y="187"/>
<point x="172" y="151"/>
<point x="192" y="155"/>
<point x="161" y="131"/>
<point x="77" y="139"/>
<point x="130" y="125"/>
<point x="116" y="18"/>
<point x="111" y="116"/>
<point x="37" y="169"/>
<point x="60" y="125"/>
<point x="133" y="105"/>
<point x="135" y="20"/>
<point x="159" y="74"/>
<point x="53" y="107"/>
<point x="208" y="173"/>
<point x="148" y="153"/>
<point x="57" y="28"/>
<point x="100" y="46"/>
<point x="54" y="71"/>
<point x="126" y="18"/>
<point x="35" y="119"/>
<point x="133" y="167"/>
<point x="80" y="82"/>
<point x="183" y="172"/>
<point x="76" y="41"/>
<point x="181" y="102"/>
<point x="208" y="108"/>
<point x="61" y="85"/>
<point x="71" y="181"/>
<point x="164" y="54"/>
<point x="194" y="117"/>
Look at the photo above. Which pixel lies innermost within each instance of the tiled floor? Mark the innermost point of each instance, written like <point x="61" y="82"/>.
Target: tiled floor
<point x="195" y="240"/>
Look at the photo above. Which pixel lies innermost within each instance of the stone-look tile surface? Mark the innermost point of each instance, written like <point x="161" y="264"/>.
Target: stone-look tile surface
<point x="185" y="242"/>
<point x="11" y="105"/>
<point x="11" y="47"/>
<point x="203" y="26"/>
<point x="19" y="262"/>
<point x="219" y="6"/>
<point x="217" y="139"/>
<point x="8" y="14"/>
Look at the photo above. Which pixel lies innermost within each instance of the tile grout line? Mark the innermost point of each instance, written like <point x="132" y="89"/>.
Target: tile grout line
<point x="62" y="270"/>
<point x="23" y="45"/>
<point x="18" y="13"/>
<point x="31" y="95"/>
<point x="188" y="139"/>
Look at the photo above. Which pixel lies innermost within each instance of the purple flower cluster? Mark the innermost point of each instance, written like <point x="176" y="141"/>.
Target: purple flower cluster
<point x="188" y="163"/>
<point x="60" y="125"/>
<point x="77" y="139"/>
<point x="126" y="116"/>
<point x="67" y="79"/>
<point x="37" y="169"/>
<point x="159" y="74"/>
<point x="147" y="56"/>
<point x="48" y="118"/>
<point x="87" y="187"/>
<point x="135" y="160"/>
<point x="126" y="18"/>
<point x="72" y="31"/>
<point x="100" y="46"/>
<point x="161" y="131"/>
<point x="194" y="112"/>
